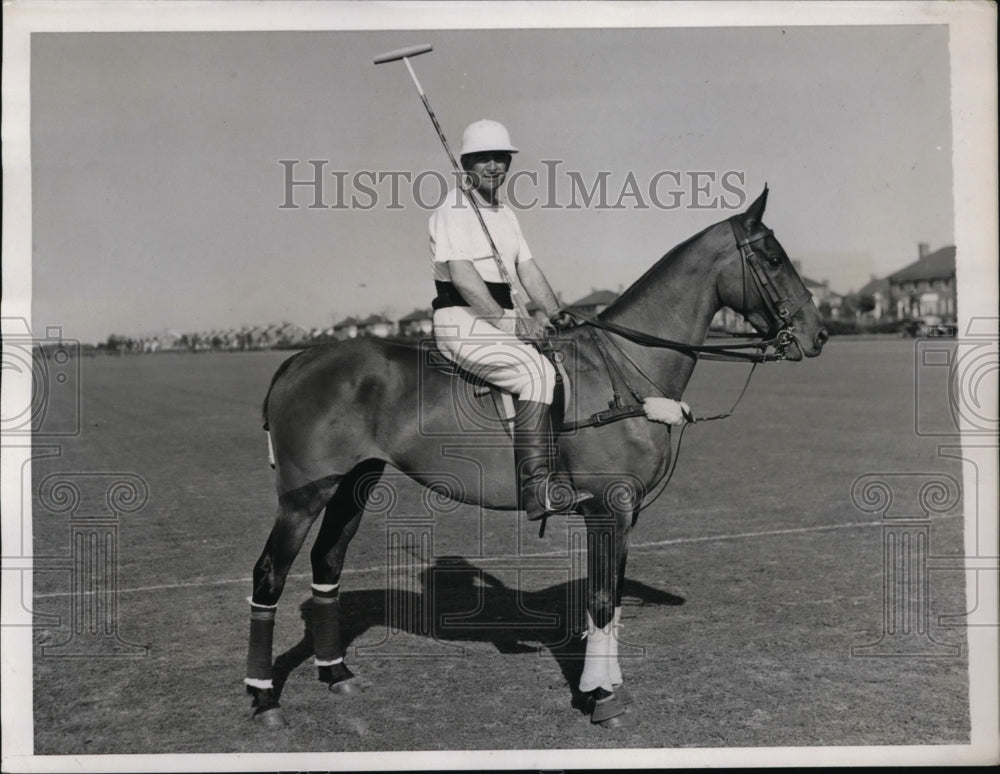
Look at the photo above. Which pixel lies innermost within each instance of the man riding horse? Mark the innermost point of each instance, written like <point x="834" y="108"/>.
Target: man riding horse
<point x="475" y="322"/>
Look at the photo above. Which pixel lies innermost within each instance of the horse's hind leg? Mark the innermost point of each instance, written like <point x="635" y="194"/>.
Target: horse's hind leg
<point x="340" y="523"/>
<point x="296" y="512"/>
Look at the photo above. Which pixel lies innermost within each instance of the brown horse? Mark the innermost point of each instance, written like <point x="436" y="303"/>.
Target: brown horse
<point x="338" y="414"/>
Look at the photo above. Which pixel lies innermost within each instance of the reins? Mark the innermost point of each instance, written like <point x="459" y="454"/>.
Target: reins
<point x="781" y="310"/>
<point x="704" y="351"/>
<point x="721" y="352"/>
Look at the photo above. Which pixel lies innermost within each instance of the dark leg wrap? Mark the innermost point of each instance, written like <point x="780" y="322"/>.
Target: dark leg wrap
<point x="326" y="625"/>
<point x="261" y="639"/>
<point x="331" y="675"/>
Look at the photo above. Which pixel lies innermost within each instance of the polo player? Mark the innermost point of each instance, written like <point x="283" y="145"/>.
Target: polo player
<point x="475" y="323"/>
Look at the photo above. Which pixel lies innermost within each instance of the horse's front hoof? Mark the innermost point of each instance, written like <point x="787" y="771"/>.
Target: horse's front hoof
<point x="266" y="710"/>
<point x="608" y="712"/>
<point x="618" y="721"/>
<point x="270" y="718"/>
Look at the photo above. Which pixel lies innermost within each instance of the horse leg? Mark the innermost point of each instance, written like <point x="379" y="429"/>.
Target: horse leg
<point x="607" y="537"/>
<point x="614" y="666"/>
<point x="296" y="512"/>
<point x="340" y="523"/>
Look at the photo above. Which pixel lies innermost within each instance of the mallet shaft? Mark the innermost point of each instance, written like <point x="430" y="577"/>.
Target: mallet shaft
<point x="413" y="75"/>
<point x="405" y="54"/>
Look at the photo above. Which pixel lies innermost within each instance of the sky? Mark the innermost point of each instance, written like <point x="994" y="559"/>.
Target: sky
<point x="157" y="187"/>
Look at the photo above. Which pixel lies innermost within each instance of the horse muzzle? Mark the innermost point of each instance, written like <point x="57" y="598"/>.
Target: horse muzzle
<point x="790" y="344"/>
<point x="795" y="346"/>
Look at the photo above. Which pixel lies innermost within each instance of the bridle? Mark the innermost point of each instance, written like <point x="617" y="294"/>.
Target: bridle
<point x="780" y="309"/>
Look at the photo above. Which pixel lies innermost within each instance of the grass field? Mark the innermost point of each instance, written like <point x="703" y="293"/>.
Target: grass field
<point x="751" y="580"/>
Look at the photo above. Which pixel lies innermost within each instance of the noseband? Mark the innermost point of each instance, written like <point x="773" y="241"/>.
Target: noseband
<point x="780" y="308"/>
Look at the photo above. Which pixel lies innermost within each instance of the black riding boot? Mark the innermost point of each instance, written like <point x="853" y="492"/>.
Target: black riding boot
<point x="542" y="490"/>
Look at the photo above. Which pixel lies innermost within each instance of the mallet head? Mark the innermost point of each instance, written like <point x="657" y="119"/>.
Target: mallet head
<point x="402" y="53"/>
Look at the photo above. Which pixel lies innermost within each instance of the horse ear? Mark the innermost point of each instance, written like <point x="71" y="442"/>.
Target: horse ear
<point x="755" y="212"/>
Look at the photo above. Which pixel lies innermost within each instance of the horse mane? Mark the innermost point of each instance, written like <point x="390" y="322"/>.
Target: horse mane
<point x="631" y="289"/>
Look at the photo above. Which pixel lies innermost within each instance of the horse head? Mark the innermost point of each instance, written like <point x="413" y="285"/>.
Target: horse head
<point x="759" y="281"/>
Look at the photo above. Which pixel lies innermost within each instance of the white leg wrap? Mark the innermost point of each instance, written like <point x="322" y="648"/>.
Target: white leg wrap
<point x="258" y="604"/>
<point x="595" y="667"/>
<point x="253" y="682"/>
<point x="324" y="586"/>
<point x="614" y="668"/>
<point x="322" y="662"/>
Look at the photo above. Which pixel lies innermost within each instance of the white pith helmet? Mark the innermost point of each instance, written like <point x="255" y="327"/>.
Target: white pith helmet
<point x="486" y="135"/>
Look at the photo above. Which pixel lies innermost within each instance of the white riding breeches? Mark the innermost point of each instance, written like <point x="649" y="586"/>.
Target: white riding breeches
<point x="499" y="358"/>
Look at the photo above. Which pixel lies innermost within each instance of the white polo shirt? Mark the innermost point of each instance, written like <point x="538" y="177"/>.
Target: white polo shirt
<point x="457" y="236"/>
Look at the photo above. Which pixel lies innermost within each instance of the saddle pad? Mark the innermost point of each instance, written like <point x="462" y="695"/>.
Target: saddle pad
<point x="503" y="400"/>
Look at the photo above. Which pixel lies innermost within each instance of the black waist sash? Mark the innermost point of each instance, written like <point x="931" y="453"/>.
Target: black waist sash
<point x="448" y="295"/>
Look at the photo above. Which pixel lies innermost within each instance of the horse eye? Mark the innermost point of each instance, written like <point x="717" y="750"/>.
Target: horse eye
<point x="772" y="257"/>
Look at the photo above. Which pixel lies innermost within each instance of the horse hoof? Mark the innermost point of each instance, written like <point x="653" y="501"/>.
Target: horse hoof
<point x="618" y="721"/>
<point x="608" y="713"/>
<point x="270" y="718"/>
<point x="347" y="688"/>
<point x="623" y="694"/>
<point x="340" y="679"/>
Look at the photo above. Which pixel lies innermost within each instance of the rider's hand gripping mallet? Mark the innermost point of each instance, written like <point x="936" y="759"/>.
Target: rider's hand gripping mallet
<point x="405" y="54"/>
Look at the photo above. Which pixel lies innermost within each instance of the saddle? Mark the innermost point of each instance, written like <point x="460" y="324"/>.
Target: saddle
<point x="499" y="403"/>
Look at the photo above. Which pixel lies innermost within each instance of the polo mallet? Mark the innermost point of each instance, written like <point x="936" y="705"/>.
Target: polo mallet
<point x="405" y="54"/>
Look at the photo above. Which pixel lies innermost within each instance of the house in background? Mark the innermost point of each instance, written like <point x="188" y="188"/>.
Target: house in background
<point x="827" y="301"/>
<point x="926" y="288"/>
<point x="161" y="341"/>
<point x="288" y="334"/>
<point x="322" y="335"/>
<point x="346" y="328"/>
<point x="376" y="325"/>
<point x="416" y="323"/>
<point x="877" y="289"/>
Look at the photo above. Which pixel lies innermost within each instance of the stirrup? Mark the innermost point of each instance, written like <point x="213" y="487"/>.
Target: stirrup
<point x="564" y="504"/>
<point x="570" y="509"/>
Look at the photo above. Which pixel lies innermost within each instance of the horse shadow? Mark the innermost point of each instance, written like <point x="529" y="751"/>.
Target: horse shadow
<point x="459" y="602"/>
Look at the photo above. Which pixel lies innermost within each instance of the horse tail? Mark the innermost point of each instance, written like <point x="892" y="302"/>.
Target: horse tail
<point x="277" y="375"/>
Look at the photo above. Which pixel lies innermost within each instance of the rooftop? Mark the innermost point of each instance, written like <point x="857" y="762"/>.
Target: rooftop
<point x="417" y="314"/>
<point x="937" y="265"/>
<point x="374" y="319"/>
<point x="873" y="286"/>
